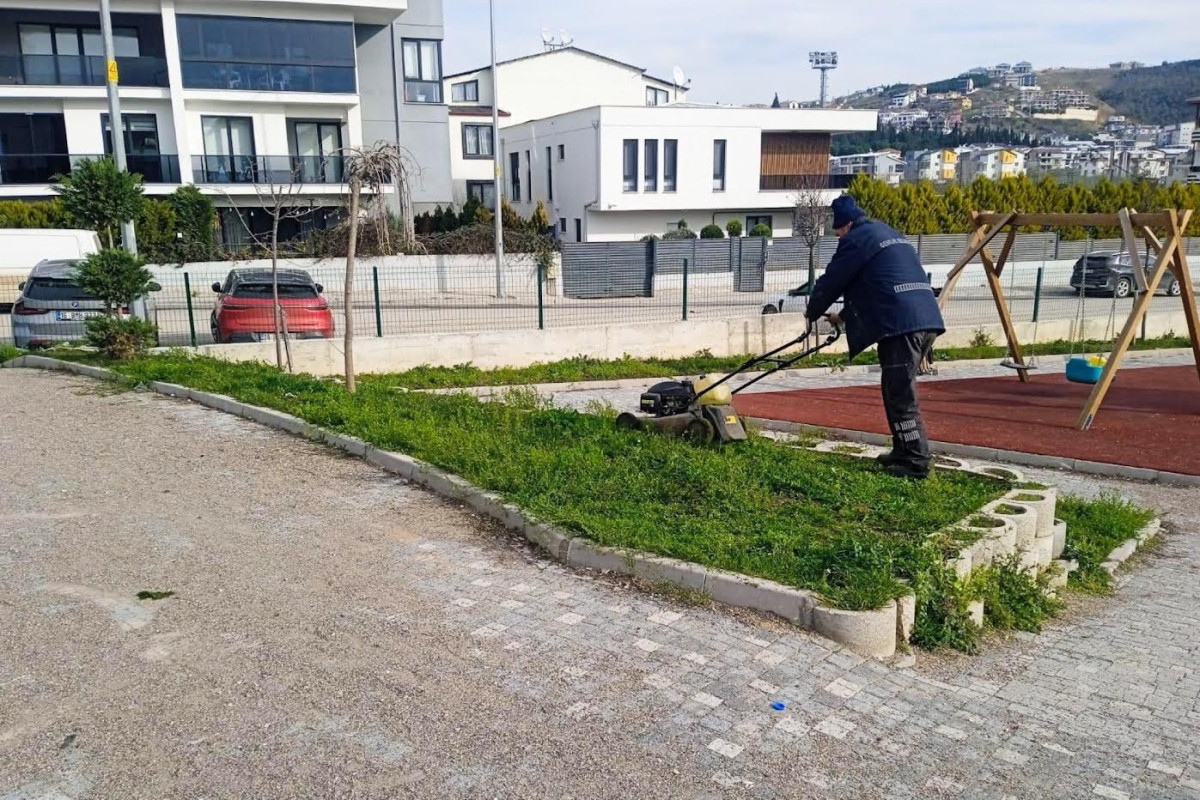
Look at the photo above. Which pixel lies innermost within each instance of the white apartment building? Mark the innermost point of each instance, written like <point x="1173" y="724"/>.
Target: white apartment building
<point x="994" y="163"/>
<point x="535" y="87"/>
<point x="938" y="166"/>
<point x="1193" y="175"/>
<point x="904" y="118"/>
<point x="227" y="94"/>
<point x="886" y="165"/>
<point x="618" y="173"/>
<point x="1179" y="134"/>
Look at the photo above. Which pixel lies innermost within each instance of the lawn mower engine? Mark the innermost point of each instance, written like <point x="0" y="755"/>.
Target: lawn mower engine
<point x="667" y="398"/>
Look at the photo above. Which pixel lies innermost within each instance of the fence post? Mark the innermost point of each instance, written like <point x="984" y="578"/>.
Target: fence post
<point x="187" y="288"/>
<point x="378" y="313"/>
<point x="541" y="307"/>
<point x="1037" y="294"/>
<point x="685" y="283"/>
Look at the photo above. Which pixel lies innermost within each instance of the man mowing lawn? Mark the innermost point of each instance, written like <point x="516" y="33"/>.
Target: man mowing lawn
<point x="887" y="300"/>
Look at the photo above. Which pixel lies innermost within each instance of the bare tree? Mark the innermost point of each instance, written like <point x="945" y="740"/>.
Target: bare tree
<point x="809" y="216"/>
<point x="373" y="169"/>
<point x="279" y="194"/>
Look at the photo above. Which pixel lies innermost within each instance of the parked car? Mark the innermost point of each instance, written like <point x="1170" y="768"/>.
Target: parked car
<point x="50" y="308"/>
<point x="21" y="249"/>
<point x="1110" y="273"/>
<point x="243" y="312"/>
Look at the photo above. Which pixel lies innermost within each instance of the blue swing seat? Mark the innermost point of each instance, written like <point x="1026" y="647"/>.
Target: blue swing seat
<point x="1080" y="370"/>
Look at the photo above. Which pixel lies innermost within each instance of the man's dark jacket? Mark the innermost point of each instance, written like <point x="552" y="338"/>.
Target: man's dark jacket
<point x="885" y="288"/>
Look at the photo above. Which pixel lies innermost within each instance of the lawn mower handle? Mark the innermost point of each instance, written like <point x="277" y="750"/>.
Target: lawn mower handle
<point x="780" y="364"/>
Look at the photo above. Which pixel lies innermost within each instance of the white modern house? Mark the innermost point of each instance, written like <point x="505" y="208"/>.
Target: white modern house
<point x="621" y="172"/>
<point x="536" y="87"/>
<point x="229" y="95"/>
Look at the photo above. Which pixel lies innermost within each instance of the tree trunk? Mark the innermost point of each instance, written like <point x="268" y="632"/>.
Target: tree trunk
<point x="812" y="268"/>
<point x="348" y="294"/>
<point x="275" y="307"/>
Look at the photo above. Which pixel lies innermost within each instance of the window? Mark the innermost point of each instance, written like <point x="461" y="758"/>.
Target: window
<point x="578" y="230"/>
<point x="271" y="55"/>
<point x="141" y="134"/>
<point x="483" y="192"/>
<point x="422" y="70"/>
<point x="68" y="55"/>
<point x="228" y="150"/>
<point x="529" y="174"/>
<point x="670" y="164"/>
<point x="465" y="92"/>
<point x="719" y="165"/>
<point x="630" y="166"/>
<point x="514" y="175"/>
<point x="753" y="220"/>
<point x="562" y="150"/>
<point x="562" y="225"/>
<point x="657" y="97"/>
<point x="316" y="149"/>
<point x="549" y="175"/>
<point x="477" y="141"/>
<point x="651" y="159"/>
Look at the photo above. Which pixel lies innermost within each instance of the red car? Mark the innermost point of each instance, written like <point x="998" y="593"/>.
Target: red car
<point x="243" y="312"/>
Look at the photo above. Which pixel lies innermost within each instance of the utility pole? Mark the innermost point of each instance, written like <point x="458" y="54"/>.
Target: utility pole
<point x="496" y="155"/>
<point x="117" y="130"/>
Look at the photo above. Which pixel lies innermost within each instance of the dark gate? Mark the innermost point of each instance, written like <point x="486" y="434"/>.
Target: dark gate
<point x="594" y="270"/>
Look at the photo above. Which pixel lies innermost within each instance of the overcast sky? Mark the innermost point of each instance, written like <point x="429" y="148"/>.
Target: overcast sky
<point x="743" y="51"/>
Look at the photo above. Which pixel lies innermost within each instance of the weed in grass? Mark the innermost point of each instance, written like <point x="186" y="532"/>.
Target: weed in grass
<point x="1037" y="487"/>
<point x="942" y="616"/>
<point x="696" y="598"/>
<point x="1013" y="599"/>
<point x="601" y="408"/>
<point x="984" y="521"/>
<point x="1028" y="498"/>
<point x="982" y="339"/>
<point x="146" y="594"/>
<point x="1011" y="511"/>
<point x="8" y="352"/>
<point x="1094" y="529"/>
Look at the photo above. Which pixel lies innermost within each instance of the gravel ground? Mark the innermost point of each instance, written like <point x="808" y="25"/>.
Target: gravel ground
<point x="336" y="633"/>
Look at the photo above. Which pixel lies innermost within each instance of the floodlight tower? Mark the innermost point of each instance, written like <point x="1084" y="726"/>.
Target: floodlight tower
<point x="824" y="61"/>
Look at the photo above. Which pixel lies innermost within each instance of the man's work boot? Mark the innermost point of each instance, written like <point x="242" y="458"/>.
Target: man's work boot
<point x="901" y="469"/>
<point x="887" y="459"/>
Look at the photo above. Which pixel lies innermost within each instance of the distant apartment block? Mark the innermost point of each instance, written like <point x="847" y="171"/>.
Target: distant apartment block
<point x="994" y="163"/>
<point x="904" y="118"/>
<point x="1126" y="65"/>
<point x="1193" y="175"/>
<point x="886" y="165"/>
<point x="939" y="166"/>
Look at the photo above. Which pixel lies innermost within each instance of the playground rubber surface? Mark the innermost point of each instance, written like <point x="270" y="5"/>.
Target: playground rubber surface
<point x="1150" y="418"/>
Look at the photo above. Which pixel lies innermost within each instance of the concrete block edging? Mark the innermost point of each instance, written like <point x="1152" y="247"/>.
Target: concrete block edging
<point x="1122" y="552"/>
<point x="868" y="633"/>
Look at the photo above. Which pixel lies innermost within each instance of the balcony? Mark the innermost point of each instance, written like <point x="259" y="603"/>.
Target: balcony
<point x="240" y="76"/>
<point x="48" y="70"/>
<point x="269" y="169"/>
<point x="795" y="183"/>
<point x="41" y="168"/>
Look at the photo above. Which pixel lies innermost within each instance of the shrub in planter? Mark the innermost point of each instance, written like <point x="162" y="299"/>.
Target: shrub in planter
<point x="734" y="228"/>
<point x="682" y="231"/>
<point x="712" y="232"/>
<point x="120" y="338"/>
<point x="761" y="231"/>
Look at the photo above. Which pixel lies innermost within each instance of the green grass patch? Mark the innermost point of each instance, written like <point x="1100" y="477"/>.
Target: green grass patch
<point x="1010" y="511"/>
<point x="1031" y="485"/>
<point x="1094" y="529"/>
<point x="837" y="525"/>
<point x="1012" y="598"/>
<point x="581" y="368"/>
<point x="1028" y="498"/>
<point x="983" y="521"/>
<point x="8" y="352"/>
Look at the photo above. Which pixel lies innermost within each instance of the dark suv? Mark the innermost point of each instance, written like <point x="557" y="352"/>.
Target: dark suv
<point x="1111" y="273"/>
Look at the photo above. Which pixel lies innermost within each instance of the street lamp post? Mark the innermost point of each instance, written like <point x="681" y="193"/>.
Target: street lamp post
<point x="497" y="157"/>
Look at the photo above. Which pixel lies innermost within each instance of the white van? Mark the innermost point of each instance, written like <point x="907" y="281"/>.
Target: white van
<point x="22" y="248"/>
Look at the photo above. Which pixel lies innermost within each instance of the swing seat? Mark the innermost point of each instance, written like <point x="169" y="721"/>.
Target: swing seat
<point x="1081" y="370"/>
<point x="1008" y="363"/>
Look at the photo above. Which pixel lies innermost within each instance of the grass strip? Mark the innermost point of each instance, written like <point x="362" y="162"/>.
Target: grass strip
<point x="1094" y="529"/>
<point x="582" y="368"/>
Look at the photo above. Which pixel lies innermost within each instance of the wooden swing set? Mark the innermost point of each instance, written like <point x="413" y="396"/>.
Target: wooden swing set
<point x="1169" y="252"/>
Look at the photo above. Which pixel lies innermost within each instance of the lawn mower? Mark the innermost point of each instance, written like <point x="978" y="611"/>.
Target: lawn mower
<point x="702" y="411"/>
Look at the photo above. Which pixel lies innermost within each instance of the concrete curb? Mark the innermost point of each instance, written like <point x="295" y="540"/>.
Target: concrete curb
<point x="990" y="454"/>
<point x="1122" y="552"/>
<point x="868" y="633"/>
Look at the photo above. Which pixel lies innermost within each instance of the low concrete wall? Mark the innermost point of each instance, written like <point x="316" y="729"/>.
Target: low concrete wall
<point x="664" y="339"/>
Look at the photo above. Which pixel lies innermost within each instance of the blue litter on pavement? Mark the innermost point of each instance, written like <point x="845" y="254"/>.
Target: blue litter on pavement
<point x="778" y="706"/>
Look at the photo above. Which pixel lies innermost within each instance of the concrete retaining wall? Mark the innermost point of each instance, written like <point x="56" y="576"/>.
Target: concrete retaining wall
<point x="518" y="348"/>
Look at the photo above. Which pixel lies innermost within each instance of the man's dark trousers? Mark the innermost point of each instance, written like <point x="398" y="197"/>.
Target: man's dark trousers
<point x="900" y="358"/>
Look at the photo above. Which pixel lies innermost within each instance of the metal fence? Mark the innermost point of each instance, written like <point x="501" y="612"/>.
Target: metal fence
<point x="626" y="283"/>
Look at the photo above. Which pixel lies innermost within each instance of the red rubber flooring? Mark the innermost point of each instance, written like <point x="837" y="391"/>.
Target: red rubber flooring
<point x="1150" y="419"/>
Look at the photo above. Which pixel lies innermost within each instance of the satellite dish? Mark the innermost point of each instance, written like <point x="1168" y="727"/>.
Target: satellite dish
<point x="547" y="36"/>
<point x="679" y="77"/>
<point x="564" y="37"/>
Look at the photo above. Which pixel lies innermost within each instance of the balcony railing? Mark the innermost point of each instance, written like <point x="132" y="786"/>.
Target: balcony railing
<point x="48" y="70"/>
<point x="267" y="77"/>
<point x="795" y="183"/>
<point x="268" y="169"/>
<point x="40" y="168"/>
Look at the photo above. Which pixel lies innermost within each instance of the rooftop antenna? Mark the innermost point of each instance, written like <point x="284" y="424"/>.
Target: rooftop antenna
<point x="547" y="39"/>
<point x="679" y="79"/>
<point x="564" y="38"/>
<point x="824" y="60"/>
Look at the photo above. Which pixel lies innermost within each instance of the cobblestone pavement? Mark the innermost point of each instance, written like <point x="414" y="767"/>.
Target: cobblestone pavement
<point x="627" y="398"/>
<point x="338" y="633"/>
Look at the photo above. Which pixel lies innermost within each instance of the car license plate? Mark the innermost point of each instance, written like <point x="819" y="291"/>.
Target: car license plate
<point x="74" y="316"/>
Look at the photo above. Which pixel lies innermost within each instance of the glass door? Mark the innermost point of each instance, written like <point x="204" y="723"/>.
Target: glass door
<point x="317" y="151"/>
<point x="228" y="149"/>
